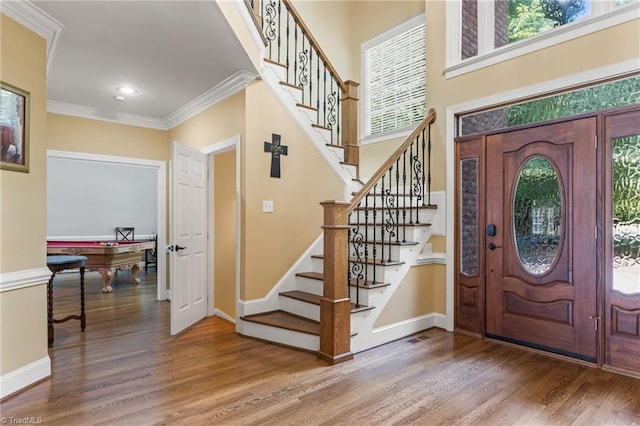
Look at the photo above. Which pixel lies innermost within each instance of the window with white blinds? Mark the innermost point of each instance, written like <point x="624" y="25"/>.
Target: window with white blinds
<point x="394" y="79"/>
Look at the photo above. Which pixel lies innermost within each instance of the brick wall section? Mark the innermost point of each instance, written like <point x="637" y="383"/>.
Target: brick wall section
<point x="469" y="37"/>
<point x="501" y="11"/>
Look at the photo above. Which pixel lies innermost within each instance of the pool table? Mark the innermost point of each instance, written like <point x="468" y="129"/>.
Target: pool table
<point x="105" y="256"/>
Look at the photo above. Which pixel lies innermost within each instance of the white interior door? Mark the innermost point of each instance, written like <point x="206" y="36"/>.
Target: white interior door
<point x="188" y="262"/>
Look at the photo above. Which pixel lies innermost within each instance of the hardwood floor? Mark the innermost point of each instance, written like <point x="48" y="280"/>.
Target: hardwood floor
<point x="127" y="370"/>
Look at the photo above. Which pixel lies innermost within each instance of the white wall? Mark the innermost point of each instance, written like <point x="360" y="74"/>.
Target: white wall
<point x="87" y="199"/>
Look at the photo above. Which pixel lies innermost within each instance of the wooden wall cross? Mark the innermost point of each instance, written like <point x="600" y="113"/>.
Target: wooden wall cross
<point x="276" y="150"/>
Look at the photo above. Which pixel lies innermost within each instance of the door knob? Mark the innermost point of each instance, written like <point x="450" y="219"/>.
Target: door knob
<point x="178" y="248"/>
<point x="492" y="246"/>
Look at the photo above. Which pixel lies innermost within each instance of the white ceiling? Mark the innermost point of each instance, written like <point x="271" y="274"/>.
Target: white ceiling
<point x="172" y="52"/>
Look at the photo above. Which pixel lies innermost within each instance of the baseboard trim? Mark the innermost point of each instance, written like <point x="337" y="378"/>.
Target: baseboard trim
<point x="23" y="377"/>
<point x="217" y="312"/>
<point x="22" y="279"/>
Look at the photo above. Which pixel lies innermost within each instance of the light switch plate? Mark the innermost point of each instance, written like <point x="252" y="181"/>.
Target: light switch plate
<point x="267" y="206"/>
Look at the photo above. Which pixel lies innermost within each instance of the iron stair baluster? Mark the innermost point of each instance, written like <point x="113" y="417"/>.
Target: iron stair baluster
<point x="375" y="215"/>
<point x="397" y="199"/>
<point x="404" y="192"/>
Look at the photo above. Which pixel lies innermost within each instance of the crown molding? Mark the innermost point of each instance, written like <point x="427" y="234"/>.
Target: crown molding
<point x="35" y="19"/>
<point x="229" y="87"/>
<point x="63" y="108"/>
<point x="222" y="91"/>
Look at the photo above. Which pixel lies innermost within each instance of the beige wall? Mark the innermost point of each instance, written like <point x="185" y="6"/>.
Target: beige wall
<point x="421" y="292"/>
<point x="225" y="232"/>
<point x="272" y="242"/>
<point x="76" y="134"/>
<point x="220" y="122"/>
<point x="23" y="217"/>
<point x="330" y="24"/>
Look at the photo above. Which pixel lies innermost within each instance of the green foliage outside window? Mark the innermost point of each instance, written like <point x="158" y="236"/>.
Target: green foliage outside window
<point x="626" y="180"/>
<point x="597" y="98"/>
<point x="530" y="17"/>
<point x="526" y="19"/>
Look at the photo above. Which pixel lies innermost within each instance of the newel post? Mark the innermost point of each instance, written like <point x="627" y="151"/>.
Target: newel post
<point x="335" y="305"/>
<point x="350" y="122"/>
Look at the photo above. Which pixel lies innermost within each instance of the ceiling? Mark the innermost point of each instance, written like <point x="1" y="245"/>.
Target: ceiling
<point x="173" y="52"/>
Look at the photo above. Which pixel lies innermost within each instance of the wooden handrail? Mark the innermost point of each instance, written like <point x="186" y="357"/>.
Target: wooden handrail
<point x="306" y="31"/>
<point x="430" y="118"/>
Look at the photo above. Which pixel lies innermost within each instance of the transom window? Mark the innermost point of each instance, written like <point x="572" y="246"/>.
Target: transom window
<point x="394" y="80"/>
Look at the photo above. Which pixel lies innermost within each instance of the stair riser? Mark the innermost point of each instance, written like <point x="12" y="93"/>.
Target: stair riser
<point x="404" y="198"/>
<point x="280" y="335"/>
<point x="294" y="93"/>
<point x="410" y="233"/>
<point x="310" y="285"/>
<point x="367" y="296"/>
<point x="391" y="252"/>
<point x="384" y="216"/>
<point x="351" y="170"/>
<point x="300" y="308"/>
<point x="317" y="264"/>
<point x="281" y="72"/>
<point x="325" y="134"/>
<point x="310" y="114"/>
<point x="376" y="273"/>
<point x="338" y="153"/>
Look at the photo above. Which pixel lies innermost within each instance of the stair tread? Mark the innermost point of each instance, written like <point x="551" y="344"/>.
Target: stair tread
<point x="303" y="296"/>
<point x="284" y="83"/>
<point x="379" y="224"/>
<point x="286" y="320"/>
<point x="377" y="207"/>
<point x="392" y="243"/>
<point x="396" y="194"/>
<point x="332" y="145"/>
<point x="360" y="308"/>
<point x="368" y="261"/>
<point x="346" y="163"/>
<point x="307" y="107"/>
<point x="311" y="275"/>
<point x="368" y="284"/>
<point x="320" y="276"/>
<point x="315" y="299"/>
<point x="271" y="61"/>
<point x="321" y="127"/>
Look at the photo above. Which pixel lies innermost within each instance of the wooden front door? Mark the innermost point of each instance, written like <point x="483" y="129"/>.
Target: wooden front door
<point x="540" y="242"/>
<point x="622" y="240"/>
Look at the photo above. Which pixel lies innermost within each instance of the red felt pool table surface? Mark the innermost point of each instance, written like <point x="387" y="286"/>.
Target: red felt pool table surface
<point x="102" y="255"/>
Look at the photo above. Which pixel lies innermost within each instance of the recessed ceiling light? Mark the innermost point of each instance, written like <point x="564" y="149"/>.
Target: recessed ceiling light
<point x="120" y="98"/>
<point x="126" y="90"/>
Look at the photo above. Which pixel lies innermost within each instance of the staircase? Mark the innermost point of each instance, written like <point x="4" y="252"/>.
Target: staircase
<point x="329" y="300"/>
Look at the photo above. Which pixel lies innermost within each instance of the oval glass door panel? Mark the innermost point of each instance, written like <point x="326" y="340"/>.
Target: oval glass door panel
<point x="537" y="215"/>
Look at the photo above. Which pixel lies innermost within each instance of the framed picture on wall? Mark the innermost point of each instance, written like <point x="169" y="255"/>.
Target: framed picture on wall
<point x="14" y="128"/>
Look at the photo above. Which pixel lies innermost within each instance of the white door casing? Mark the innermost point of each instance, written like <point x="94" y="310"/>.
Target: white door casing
<point x="188" y="259"/>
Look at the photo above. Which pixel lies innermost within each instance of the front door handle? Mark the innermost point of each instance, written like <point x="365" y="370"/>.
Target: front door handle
<point x="492" y="246"/>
